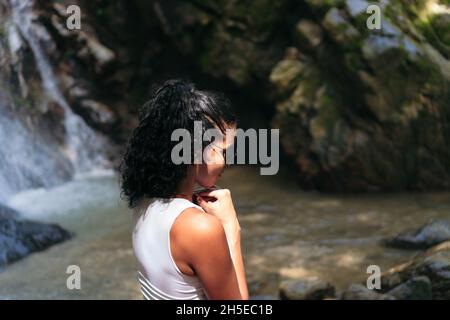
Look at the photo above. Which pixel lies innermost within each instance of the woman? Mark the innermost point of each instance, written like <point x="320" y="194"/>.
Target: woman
<point x="185" y="250"/>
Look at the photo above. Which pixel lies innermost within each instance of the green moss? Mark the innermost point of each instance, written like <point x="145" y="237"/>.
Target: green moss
<point x="441" y="28"/>
<point x="439" y="40"/>
<point x="354" y="62"/>
<point x="328" y="114"/>
<point x="322" y="6"/>
<point x="261" y="18"/>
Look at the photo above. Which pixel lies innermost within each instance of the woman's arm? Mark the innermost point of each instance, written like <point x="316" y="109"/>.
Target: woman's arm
<point x="203" y="240"/>
<point x="223" y="209"/>
<point x="233" y="234"/>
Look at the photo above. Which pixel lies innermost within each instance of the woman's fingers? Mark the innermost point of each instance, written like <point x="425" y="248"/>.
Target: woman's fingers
<point x="202" y="203"/>
<point x="217" y="193"/>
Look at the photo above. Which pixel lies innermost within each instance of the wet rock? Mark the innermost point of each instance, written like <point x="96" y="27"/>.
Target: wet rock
<point x="19" y="238"/>
<point x="416" y="288"/>
<point x="430" y="234"/>
<point x="98" y="114"/>
<point x="7" y="212"/>
<point x="433" y="264"/>
<point x="360" y="292"/>
<point x="306" y="289"/>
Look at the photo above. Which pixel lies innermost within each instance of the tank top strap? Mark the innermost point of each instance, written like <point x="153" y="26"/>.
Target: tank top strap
<point x="176" y="207"/>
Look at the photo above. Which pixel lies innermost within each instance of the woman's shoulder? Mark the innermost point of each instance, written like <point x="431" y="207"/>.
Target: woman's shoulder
<point x="196" y="226"/>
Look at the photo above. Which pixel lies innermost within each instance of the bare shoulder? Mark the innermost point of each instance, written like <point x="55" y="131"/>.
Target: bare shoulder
<point x="193" y="221"/>
<point x="194" y="227"/>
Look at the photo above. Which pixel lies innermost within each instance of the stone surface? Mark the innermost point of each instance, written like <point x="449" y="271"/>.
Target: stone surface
<point x="363" y="88"/>
<point x="19" y="238"/>
<point x="306" y="289"/>
<point x="416" y="288"/>
<point x="430" y="234"/>
<point x="360" y="292"/>
<point x="433" y="264"/>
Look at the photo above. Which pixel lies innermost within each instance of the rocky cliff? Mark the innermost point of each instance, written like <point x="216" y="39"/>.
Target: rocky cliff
<point x="358" y="109"/>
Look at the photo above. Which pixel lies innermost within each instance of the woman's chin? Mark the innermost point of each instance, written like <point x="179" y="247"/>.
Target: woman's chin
<point x="208" y="185"/>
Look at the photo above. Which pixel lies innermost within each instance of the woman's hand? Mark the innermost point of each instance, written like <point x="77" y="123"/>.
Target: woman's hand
<point x="222" y="207"/>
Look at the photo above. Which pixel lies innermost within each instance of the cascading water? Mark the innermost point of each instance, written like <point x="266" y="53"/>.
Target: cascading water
<point x="29" y="155"/>
<point x="84" y="145"/>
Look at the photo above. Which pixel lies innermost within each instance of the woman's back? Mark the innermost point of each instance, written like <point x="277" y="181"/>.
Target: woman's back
<point x="158" y="275"/>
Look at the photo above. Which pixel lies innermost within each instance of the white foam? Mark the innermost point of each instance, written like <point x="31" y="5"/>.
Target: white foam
<point x="99" y="189"/>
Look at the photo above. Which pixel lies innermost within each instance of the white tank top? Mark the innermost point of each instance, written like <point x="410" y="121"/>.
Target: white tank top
<point x="158" y="275"/>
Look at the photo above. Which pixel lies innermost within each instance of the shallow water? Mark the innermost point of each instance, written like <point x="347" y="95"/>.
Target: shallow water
<point x="286" y="233"/>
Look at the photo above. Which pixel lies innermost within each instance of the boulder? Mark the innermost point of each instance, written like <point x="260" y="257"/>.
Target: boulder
<point x="428" y="235"/>
<point x="434" y="265"/>
<point x="19" y="238"/>
<point x="306" y="289"/>
<point x="416" y="288"/>
<point x="360" y="292"/>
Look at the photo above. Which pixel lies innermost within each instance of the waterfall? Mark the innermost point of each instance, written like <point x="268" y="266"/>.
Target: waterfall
<point x="31" y="157"/>
<point x="29" y="154"/>
<point x="84" y="146"/>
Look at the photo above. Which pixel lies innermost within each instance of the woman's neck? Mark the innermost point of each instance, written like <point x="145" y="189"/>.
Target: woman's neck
<point x="186" y="188"/>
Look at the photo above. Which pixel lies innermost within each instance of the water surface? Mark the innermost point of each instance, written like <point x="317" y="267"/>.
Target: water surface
<point x="287" y="233"/>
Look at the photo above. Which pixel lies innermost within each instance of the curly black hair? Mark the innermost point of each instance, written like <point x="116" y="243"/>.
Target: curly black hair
<point x="147" y="169"/>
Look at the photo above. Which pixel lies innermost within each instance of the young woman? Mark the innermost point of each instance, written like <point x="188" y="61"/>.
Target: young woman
<point x="184" y="250"/>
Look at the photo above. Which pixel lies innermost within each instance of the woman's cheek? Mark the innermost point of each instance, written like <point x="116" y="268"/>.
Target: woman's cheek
<point x="205" y="179"/>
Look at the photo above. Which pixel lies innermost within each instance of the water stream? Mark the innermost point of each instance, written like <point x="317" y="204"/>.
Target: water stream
<point x="286" y="233"/>
<point x="84" y="147"/>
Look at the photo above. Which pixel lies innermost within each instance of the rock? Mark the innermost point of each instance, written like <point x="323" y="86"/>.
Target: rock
<point x="356" y="7"/>
<point x="363" y="88"/>
<point x="360" y="292"/>
<point x="309" y="32"/>
<point x="433" y="264"/>
<point x="429" y="235"/>
<point x="339" y="28"/>
<point x="286" y="75"/>
<point x="7" y="212"/>
<point x="306" y="289"/>
<point x="19" y="238"/>
<point x="416" y="288"/>
<point x="441" y="25"/>
<point x="98" y="113"/>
